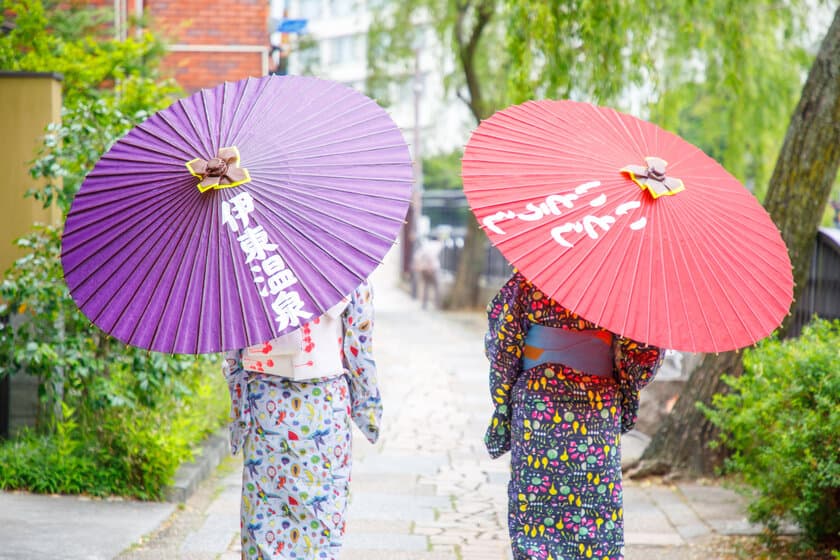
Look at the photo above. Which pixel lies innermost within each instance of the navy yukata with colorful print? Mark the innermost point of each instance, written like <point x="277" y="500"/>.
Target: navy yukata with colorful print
<point x="296" y="440"/>
<point x="563" y="428"/>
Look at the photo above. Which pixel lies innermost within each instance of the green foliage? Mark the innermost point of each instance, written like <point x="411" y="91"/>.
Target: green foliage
<point x="724" y="74"/>
<point x="735" y="91"/>
<point x="128" y="416"/>
<point x="113" y="418"/>
<point x="43" y="333"/>
<point x="90" y="64"/>
<point x="443" y="171"/>
<point x="391" y="43"/>
<point x="127" y="450"/>
<point x="87" y="130"/>
<point x="69" y="20"/>
<point x="399" y="29"/>
<point x="782" y="424"/>
<point x="107" y="86"/>
<point x="581" y="49"/>
<point x="307" y="49"/>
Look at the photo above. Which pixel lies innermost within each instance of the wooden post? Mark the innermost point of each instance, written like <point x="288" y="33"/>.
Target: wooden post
<point x="28" y="103"/>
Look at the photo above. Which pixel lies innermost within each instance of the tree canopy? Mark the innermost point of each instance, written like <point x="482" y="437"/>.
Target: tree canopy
<point x="74" y="43"/>
<point x="442" y="171"/>
<point x="108" y="85"/>
<point x="724" y="74"/>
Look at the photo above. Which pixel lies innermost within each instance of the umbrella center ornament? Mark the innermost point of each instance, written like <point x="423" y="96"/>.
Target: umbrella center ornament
<point x="653" y="179"/>
<point x="220" y="172"/>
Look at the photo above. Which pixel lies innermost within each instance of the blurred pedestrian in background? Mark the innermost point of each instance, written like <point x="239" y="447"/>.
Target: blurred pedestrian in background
<point x="426" y="264"/>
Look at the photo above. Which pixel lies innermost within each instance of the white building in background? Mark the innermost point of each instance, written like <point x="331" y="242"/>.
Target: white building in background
<point x="338" y="29"/>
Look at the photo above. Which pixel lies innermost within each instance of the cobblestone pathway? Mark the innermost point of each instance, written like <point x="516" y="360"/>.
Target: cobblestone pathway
<point x="428" y="490"/>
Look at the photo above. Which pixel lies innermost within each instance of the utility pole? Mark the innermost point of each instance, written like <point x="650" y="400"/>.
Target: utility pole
<point x="412" y="226"/>
<point x="418" y="142"/>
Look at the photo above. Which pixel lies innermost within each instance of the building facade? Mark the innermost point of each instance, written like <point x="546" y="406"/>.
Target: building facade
<point x="209" y="41"/>
<point x="432" y="119"/>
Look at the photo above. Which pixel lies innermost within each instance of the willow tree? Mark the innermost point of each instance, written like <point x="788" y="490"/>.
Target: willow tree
<point x="471" y="37"/>
<point x="799" y="189"/>
<point x="722" y="73"/>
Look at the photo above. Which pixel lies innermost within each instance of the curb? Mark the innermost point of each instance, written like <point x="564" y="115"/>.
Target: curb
<point x="633" y="445"/>
<point x="190" y="475"/>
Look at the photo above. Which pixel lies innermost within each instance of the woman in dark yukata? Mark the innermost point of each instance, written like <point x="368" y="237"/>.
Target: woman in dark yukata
<point x="564" y="391"/>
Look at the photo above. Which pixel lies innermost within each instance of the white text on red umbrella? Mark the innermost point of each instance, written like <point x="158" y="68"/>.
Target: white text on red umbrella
<point x="553" y="205"/>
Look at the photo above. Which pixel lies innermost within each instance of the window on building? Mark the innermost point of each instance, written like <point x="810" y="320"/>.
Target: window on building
<point x="346" y="49"/>
<point x="340" y="8"/>
<point x="309" y="56"/>
<point x="310" y="9"/>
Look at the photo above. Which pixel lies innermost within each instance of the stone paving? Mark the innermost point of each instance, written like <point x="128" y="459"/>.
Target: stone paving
<point x="428" y="490"/>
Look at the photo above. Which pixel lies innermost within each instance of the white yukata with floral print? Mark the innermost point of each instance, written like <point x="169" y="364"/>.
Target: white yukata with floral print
<point x="296" y="441"/>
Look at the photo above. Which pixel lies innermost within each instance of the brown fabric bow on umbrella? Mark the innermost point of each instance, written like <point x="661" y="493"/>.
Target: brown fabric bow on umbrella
<point x="653" y="177"/>
<point x="220" y="172"/>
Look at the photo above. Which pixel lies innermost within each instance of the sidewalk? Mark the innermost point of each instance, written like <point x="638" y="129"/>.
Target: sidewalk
<point x="426" y="491"/>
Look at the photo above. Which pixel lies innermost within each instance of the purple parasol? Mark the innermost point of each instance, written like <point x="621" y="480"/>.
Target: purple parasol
<point x="236" y="214"/>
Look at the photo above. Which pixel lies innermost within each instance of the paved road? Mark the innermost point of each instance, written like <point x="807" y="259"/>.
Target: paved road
<point x="426" y="491"/>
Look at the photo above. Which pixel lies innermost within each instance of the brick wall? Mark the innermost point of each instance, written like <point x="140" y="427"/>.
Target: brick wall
<point x="194" y="29"/>
<point x="194" y="70"/>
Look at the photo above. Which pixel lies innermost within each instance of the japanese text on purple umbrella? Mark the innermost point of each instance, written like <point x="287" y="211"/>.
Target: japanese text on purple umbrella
<point x="273" y="278"/>
<point x="554" y="204"/>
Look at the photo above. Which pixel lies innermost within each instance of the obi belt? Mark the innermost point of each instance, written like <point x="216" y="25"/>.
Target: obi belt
<point x="588" y="351"/>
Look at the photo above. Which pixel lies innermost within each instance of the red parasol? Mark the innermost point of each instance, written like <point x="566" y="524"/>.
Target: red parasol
<point x="628" y="225"/>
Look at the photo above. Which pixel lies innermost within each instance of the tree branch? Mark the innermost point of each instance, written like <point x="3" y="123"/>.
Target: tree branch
<point x="467" y="48"/>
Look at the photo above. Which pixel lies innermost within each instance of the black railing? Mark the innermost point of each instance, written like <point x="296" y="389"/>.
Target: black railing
<point x="448" y="211"/>
<point x="496" y="267"/>
<point x="821" y="296"/>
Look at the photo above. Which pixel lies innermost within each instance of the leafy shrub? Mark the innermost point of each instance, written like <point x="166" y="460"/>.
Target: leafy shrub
<point x="782" y="424"/>
<point x="68" y="38"/>
<point x="128" y="449"/>
<point x="113" y="419"/>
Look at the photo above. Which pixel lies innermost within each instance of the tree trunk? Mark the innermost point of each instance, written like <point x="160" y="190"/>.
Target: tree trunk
<point x="807" y="167"/>
<point x="466" y="288"/>
<point x="796" y="198"/>
<point x="681" y="442"/>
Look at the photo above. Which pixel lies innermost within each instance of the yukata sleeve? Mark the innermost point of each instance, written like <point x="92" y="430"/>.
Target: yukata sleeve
<point x="503" y="343"/>
<point x="365" y="399"/>
<point x="636" y="365"/>
<point x="240" y="411"/>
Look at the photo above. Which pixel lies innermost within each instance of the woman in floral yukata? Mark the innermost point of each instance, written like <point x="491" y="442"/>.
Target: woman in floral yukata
<point x="292" y="400"/>
<point x="564" y="391"/>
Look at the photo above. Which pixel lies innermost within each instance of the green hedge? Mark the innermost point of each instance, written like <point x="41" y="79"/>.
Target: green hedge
<point x="782" y="425"/>
<point x="126" y="448"/>
<point x="112" y="419"/>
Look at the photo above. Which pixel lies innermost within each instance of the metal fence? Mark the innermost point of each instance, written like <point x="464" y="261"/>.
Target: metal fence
<point x="821" y="296"/>
<point x="496" y="267"/>
<point x="448" y="211"/>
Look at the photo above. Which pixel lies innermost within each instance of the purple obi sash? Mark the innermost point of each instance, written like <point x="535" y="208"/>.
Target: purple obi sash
<point x="588" y="351"/>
